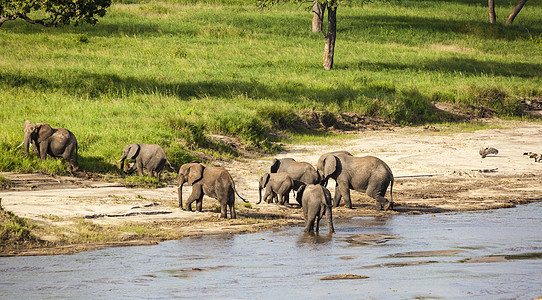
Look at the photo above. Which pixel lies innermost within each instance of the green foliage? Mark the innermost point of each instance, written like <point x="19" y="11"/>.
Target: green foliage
<point x="174" y="75"/>
<point x="53" y="12"/>
<point x="15" y="231"/>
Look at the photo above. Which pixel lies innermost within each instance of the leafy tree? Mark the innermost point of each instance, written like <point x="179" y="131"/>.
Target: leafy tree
<point x="319" y="8"/>
<point x="51" y="13"/>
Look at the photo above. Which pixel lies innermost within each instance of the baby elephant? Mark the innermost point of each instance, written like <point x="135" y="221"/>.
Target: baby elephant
<point x="316" y="201"/>
<point x="275" y="184"/>
<point x="151" y="157"/>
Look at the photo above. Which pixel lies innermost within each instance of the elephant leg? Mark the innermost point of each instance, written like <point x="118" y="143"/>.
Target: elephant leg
<point x="309" y="223"/>
<point x="329" y="219"/>
<point x="286" y="198"/>
<point x="347" y="200"/>
<point x="233" y="215"/>
<point x="197" y="195"/>
<point x="43" y="149"/>
<point x="199" y="204"/>
<point x="139" y="164"/>
<point x="224" y="210"/>
<point x="68" y="156"/>
<point x="318" y="218"/>
<point x="381" y="202"/>
<point x="131" y="168"/>
<point x="344" y="193"/>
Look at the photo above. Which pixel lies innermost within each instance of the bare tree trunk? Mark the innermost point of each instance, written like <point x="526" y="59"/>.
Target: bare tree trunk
<point x="329" y="48"/>
<point x="515" y="12"/>
<point x="492" y="16"/>
<point x="318" y="16"/>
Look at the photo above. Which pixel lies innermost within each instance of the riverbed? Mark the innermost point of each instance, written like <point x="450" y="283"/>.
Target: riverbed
<point x="492" y="254"/>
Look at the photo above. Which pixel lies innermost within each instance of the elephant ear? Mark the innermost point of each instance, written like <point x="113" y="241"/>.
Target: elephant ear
<point x="275" y="165"/>
<point x="45" y="131"/>
<point x="195" y="173"/>
<point x="134" y="151"/>
<point x="330" y="165"/>
<point x="264" y="179"/>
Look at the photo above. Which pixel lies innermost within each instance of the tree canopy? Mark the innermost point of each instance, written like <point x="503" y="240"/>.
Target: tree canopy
<point x="51" y="13"/>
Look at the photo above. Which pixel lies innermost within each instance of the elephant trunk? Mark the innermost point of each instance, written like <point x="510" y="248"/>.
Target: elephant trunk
<point x="260" y="193"/>
<point x="180" y="192"/>
<point x="322" y="179"/>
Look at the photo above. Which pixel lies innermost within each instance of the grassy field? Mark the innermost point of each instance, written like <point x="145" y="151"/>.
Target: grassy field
<point x="172" y="72"/>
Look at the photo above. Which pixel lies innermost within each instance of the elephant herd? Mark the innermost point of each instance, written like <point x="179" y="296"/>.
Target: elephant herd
<point x="365" y="174"/>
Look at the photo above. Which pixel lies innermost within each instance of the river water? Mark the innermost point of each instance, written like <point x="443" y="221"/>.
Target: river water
<point x="494" y="254"/>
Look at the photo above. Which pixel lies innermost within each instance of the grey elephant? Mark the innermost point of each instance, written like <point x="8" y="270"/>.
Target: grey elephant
<point x="316" y="201"/>
<point x="215" y="182"/>
<point x="55" y="142"/>
<point x="150" y="157"/>
<point x="301" y="172"/>
<point x="364" y="174"/>
<point x="275" y="184"/>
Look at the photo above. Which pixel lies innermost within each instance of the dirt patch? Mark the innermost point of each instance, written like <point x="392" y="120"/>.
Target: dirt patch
<point x="435" y="171"/>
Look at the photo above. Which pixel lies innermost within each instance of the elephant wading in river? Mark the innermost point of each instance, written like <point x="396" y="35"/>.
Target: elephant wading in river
<point x="316" y="201"/>
<point x="55" y="142"/>
<point x="275" y="184"/>
<point x="364" y="174"/>
<point x="150" y="157"/>
<point x="215" y="182"/>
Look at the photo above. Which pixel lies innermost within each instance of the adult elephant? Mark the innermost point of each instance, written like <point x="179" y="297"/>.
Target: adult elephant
<point x="302" y="173"/>
<point x="55" y="142"/>
<point x="150" y="157"/>
<point x="364" y="174"/>
<point x="215" y="182"/>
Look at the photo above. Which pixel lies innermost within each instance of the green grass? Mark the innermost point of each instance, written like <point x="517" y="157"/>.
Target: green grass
<point x="15" y="231"/>
<point x="171" y="72"/>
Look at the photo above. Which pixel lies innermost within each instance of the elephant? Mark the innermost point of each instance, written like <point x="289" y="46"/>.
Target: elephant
<point x="316" y="201"/>
<point x="55" y="142"/>
<point x="151" y="157"/>
<point x="301" y="172"/>
<point x="365" y="174"/>
<point x="215" y="182"/>
<point x="275" y="184"/>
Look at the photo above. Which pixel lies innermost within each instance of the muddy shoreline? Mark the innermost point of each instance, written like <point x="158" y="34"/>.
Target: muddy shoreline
<point x="436" y="172"/>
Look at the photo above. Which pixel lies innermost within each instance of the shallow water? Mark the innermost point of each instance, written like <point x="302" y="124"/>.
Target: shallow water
<point x="494" y="254"/>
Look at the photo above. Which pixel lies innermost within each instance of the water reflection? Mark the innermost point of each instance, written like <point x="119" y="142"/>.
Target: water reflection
<point x="486" y="254"/>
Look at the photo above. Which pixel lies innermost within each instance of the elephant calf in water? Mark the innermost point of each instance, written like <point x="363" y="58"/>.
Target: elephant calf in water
<point x="151" y="157"/>
<point x="316" y="201"/>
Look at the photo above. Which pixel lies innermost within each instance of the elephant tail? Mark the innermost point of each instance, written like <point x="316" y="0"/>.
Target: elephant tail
<point x="245" y="200"/>
<point x="235" y="189"/>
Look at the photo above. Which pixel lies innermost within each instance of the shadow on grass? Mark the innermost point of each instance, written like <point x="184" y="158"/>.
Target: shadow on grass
<point x="451" y="65"/>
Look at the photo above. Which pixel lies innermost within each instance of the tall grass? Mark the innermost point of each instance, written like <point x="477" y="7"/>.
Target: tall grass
<point x="171" y="72"/>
